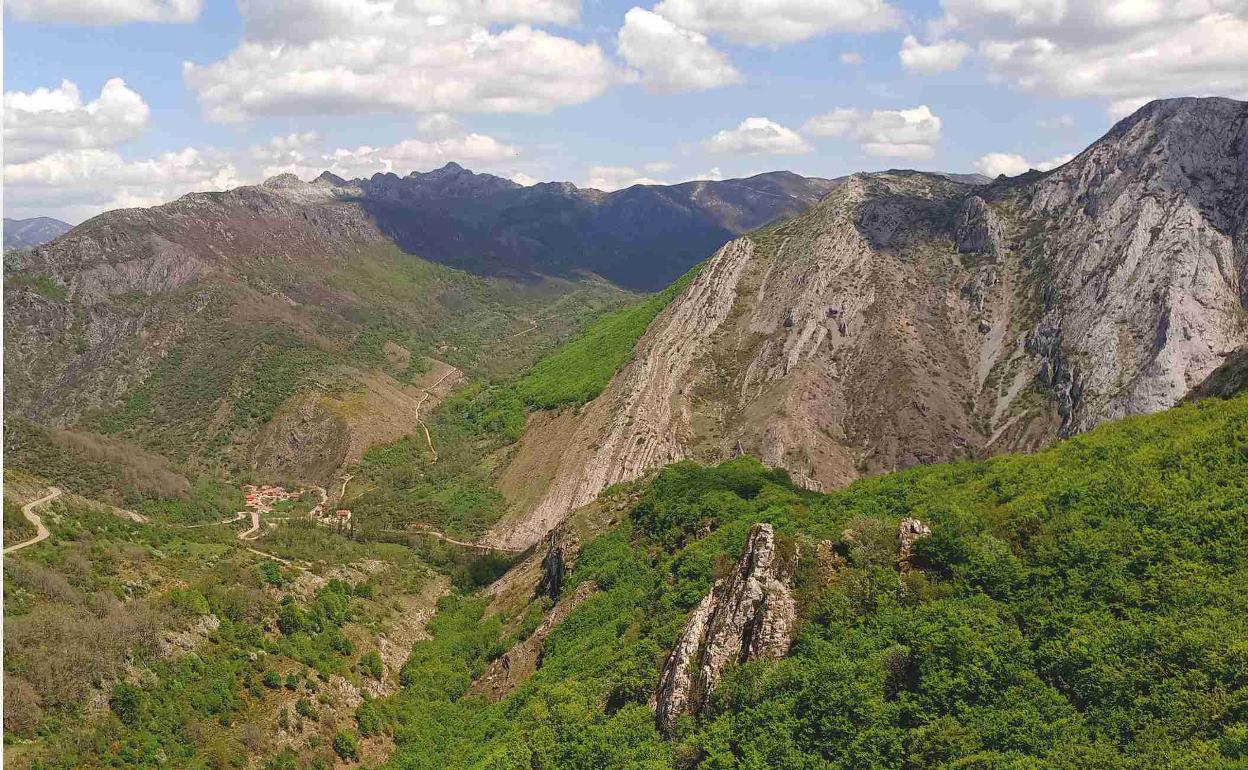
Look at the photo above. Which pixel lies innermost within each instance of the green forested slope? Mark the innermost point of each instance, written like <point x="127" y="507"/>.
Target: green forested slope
<point x="1085" y="607"/>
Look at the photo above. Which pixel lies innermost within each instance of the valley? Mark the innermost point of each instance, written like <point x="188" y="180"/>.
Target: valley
<point x="898" y="469"/>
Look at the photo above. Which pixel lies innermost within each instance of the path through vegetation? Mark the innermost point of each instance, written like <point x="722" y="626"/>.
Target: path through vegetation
<point x="41" y="530"/>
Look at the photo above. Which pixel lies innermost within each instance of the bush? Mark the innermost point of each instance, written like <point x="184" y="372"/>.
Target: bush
<point x="126" y="702"/>
<point x="370" y="664"/>
<point x="346" y="746"/>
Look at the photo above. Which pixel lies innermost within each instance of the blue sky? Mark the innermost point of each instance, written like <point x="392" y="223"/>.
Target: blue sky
<point x="596" y="92"/>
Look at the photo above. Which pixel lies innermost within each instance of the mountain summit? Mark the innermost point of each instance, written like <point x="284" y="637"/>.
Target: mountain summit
<point x="909" y="318"/>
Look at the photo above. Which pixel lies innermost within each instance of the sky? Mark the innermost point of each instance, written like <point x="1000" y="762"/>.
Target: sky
<point x="112" y="103"/>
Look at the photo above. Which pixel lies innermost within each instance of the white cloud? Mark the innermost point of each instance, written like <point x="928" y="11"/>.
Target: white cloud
<point x="75" y="184"/>
<point x="940" y="56"/>
<point x="610" y="178"/>
<point x="105" y="12"/>
<point x="911" y="133"/>
<point x="303" y="21"/>
<point x="416" y="155"/>
<point x="778" y="22"/>
<point x="524" y="179"/>
<point x="61" y="160"/>
<point x="437" y="124"/>
<point x="329" y="56"/>
<point x="1013" y="164"/>
<point x="49" y="119"/>
<point x="1057" y="121"/>
<point x="852" y="58"/>
<point x="670" y="58"/>
<point x="757" y="136"/>
<point x="1122" y="51"/>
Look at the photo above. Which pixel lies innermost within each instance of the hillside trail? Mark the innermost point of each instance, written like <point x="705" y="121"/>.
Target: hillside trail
<point x="251" y="534"/>
<point x="41" y="530"/>
<point x="428" y="392"/>
<point x="525" y="331"/>
<point x="448" y="539"/>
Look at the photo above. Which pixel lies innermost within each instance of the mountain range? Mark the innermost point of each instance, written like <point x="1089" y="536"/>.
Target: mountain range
<point x="861" y="325"/>
<point x="907" y="318"/>
<point x="899" y="469"/>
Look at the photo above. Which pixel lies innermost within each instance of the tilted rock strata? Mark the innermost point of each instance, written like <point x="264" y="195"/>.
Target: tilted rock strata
<point x="636" y="424"/>
<point x="908" y="318"/>
<point x="1145" y="235"/>
<point x="519" y="663"/>
<point x="748" y="615"/>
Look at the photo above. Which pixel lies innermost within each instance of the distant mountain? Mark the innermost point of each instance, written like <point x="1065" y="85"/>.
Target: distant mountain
<point x="911" y="318"/>
<point x="642" y="237"/>
<point x="36" y="231"/>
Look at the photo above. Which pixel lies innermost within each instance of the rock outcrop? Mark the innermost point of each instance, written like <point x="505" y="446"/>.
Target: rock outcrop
<point x="748" y="615"/>
<point x="519" y="663"/>
<point x="554" y="568"/>
<point x="908" y="533"/>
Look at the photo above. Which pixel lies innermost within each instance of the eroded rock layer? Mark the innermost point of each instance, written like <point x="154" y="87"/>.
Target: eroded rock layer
<point x="748" y="615"/>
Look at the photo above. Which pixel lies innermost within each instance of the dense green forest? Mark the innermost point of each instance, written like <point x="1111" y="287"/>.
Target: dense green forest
<point x="1085" y="607"/>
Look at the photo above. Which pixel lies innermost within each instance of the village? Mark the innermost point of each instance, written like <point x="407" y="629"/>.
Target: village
<point x="264" y="499"/>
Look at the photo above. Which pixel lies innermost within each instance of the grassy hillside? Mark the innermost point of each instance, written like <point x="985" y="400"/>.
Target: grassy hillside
<point x="194" y="373"/>
<point x="1085" y="607"/>
<point x="578" y="371"/>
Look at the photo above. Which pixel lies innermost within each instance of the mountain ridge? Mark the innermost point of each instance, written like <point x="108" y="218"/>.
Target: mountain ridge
<point x="909" y="318"/>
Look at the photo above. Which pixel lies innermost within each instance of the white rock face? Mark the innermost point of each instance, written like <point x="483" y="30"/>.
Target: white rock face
<point x="748" y="615"/>
<point x="1145" y="237"/>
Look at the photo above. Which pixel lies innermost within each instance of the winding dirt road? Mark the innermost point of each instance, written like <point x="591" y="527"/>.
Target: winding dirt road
<point x="428" y="392"/>
<point x="255" y="527"/>
<point x="41" y="531"/>
<point x="448" y="539"/>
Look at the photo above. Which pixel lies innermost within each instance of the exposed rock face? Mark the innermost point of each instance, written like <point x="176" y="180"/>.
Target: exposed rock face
<point x="524" y="658"/>
<point x="908" y="533"/>
<point x="910" y="318"/>
<point x="978" y="228"/>
<point x="1146" y="242"/>
<point x="748" y="615"/>
<point x="553" y="570"/>
<point x="636" y="424"/>
<point x="1225" y="381"/>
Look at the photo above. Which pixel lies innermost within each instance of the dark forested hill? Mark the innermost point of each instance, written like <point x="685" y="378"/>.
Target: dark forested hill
<point x="642" y="237"/>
